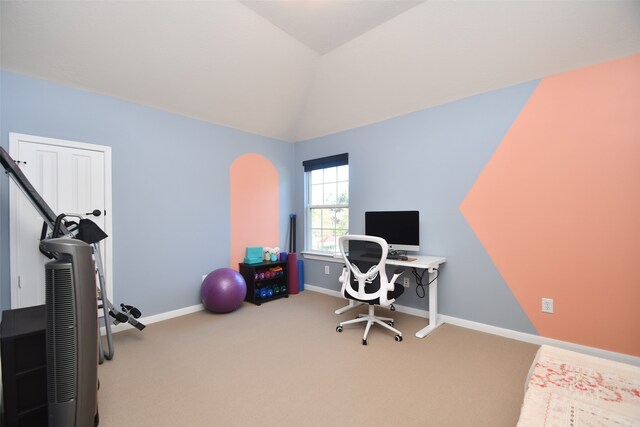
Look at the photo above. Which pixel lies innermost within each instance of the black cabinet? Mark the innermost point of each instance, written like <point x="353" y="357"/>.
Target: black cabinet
<point x="24" y="366"/>
<point x="265" y="281"/>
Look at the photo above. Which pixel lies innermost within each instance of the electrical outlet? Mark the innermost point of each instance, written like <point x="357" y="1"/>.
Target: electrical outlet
<point x="547" y="305"/>
<point x="326" y="269"/>
<point x="405" y="282"/>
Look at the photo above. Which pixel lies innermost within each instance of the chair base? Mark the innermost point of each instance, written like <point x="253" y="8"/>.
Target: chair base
<point x="371" y="318"/>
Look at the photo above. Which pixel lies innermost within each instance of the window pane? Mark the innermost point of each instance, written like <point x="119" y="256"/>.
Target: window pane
<point x="317" y="176"/>
<point x="316" y="239"/>
<point x="316" y="218"/>
<point x="316" y="195"/>
<point x="343" y="193"/>
<point x="343" y="173"/>
<point x="339" y="233"/>
<point x="330" y="174"/>
<point x="342" y="218"/>
<point x="328" y="240"/>
<point x="330" y="194"/>
<point x="328" y="219"/>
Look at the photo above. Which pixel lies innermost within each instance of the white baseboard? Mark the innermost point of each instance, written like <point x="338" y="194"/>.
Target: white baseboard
<point x="507" y="333"/>
<point x="155" y="318"/>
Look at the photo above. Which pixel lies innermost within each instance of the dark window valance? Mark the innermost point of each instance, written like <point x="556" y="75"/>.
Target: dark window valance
<point x="326" y="162"/>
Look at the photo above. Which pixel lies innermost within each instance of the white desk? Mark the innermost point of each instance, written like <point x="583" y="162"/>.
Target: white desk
<point x="421" y="262"/>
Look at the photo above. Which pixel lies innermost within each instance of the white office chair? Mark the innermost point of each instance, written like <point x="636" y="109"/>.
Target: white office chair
<point x="364" y="279"/>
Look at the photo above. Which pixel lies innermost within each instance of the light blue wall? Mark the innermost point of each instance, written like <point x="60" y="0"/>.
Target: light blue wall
<point x="171" y="189"/>
<point x="428" y="161"/>
<point x="170" y="186"/>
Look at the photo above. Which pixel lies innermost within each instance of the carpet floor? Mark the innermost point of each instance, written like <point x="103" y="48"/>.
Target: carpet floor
<point x="284" y="364"/>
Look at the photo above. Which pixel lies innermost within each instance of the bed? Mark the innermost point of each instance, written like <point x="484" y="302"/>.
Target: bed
<point x="565" y="388"/>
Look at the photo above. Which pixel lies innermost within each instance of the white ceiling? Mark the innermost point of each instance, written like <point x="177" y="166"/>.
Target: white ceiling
<point x="324" y="25"/>
<point x="257" y="65"/>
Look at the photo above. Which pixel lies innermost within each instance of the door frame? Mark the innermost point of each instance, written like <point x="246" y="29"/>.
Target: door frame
<point x="107" y="248"/>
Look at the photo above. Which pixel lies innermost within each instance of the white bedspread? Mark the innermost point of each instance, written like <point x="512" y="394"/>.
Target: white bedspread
<point x="566" y="388"/>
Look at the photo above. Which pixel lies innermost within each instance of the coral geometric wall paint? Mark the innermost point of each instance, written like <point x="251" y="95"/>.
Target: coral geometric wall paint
<point x="254" y="205"/>
<point x="558" y="206"/>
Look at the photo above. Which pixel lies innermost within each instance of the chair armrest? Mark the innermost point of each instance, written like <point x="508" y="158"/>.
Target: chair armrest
<point x="397" y="273"/>
<point x="389" y="286"/>
<point x="344" y="278"/>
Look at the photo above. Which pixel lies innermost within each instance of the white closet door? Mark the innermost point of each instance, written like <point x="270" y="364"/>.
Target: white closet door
<point x="71" y="178"/>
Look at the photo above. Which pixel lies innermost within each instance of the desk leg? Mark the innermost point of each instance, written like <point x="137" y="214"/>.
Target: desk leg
<point x="433" y="309"/>
<point x="352" y="304"/>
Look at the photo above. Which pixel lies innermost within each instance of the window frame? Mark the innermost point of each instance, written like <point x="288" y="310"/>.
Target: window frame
<point x="311" y="166"/>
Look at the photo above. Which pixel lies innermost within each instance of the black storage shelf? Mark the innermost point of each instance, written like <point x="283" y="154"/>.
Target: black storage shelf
<point x="38" y="410"/>
<point x="261" y="285"/>
<point x="30" y="371"/>
<point x="24" y="366"/>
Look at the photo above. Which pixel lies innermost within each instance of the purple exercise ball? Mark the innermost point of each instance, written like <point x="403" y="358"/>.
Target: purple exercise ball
<point x="223" y="290"/>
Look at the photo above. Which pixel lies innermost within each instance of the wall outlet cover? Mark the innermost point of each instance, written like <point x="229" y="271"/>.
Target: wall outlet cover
<point x="547" y="305"/>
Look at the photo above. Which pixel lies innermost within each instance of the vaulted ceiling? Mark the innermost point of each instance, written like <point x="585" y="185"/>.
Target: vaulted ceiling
<point x="295" y="70"/>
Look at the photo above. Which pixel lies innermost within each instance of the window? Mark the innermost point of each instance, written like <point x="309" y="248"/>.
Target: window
<point x="327" y="202"/>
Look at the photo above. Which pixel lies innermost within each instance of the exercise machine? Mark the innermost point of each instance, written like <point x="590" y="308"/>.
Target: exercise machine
<point x="82" y="228"/>
<point x="89" y="232"/>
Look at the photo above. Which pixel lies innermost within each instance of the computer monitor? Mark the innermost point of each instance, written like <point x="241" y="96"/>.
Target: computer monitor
<point x="401" y="229"/>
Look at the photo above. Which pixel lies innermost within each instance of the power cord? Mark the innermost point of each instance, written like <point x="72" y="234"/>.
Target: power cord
<point x="420" y="291"/>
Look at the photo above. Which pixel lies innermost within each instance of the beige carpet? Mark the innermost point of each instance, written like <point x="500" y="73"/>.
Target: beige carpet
<point x="283" y="364"/>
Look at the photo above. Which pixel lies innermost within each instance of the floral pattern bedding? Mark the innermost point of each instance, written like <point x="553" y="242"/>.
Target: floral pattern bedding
<point x="566" y="388"/>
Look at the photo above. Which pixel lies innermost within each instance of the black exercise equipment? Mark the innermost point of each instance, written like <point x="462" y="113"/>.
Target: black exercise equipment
<point x="83" y="229"/>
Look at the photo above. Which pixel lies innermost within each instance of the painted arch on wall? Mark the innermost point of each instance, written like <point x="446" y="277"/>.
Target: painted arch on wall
<point x="557" y="207"/>
<point x="254" y="205"/>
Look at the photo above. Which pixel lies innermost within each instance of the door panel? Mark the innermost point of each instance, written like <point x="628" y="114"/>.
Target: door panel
<point x="71" y="180"/>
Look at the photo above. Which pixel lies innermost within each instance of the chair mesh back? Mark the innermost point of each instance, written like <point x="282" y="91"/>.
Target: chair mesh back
<point x="364" y="255"/>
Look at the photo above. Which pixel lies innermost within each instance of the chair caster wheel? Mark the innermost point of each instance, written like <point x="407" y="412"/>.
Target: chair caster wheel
<point x="392" y="308"/>
<point x="364" y="341"/>
<point x="398" y="338"/>
<point x="390" y="323"/>
<point x="339" y="328"/>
